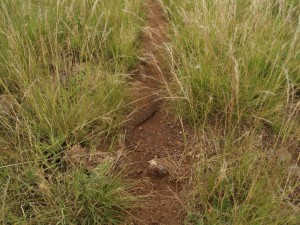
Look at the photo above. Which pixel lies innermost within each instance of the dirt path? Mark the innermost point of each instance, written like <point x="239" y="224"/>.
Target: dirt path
<point x="155" y="141"/>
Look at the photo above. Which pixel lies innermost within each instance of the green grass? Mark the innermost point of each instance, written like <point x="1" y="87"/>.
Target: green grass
<point x="32" y="196"/>
<point x="62" y="82"/>
<point x="241" y="184"/>
<point x="236" y="78"/>
<point x="235" y="60"/>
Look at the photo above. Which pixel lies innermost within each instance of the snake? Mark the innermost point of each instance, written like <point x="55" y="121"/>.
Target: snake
<point x="140" y="116"/>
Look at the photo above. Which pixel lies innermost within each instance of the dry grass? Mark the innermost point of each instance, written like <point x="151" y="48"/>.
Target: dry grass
<point x="62" y="71"/>
<point x="236" y="79"/>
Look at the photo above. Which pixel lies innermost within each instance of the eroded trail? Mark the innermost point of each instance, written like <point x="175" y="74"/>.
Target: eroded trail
<point x="155" y="141"/>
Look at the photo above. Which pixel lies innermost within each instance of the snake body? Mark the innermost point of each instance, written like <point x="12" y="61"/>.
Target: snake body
<point x="139" y="116"/>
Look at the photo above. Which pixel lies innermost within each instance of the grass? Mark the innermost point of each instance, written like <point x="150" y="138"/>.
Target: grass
<point x="240" y="183"/>
<point x="33" y="196"/>
<point x="62" y="71"/>
<point x="237" y="61"/>
<point x="235" y="77"/>
<point x="236" y="80"/>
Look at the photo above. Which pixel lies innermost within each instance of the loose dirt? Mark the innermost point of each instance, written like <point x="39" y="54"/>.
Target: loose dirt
<point x="154" y="139"/>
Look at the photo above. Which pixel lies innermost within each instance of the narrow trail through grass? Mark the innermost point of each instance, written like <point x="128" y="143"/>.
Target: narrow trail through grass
<point x="153" y="137"/>
<point x="208" y="92"/>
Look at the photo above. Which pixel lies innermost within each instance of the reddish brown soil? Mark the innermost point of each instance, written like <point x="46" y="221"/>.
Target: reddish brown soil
<point x="151" y="133"/>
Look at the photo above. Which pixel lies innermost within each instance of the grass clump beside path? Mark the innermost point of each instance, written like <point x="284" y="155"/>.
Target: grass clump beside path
<point x="236" y="60"/>
<point x="62" y="66"/>
<point x="236" y="77"/>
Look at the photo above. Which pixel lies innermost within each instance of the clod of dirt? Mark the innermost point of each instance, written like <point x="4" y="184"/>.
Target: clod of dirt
<point x="80" y="156"/>
<point x="156" y="167"/>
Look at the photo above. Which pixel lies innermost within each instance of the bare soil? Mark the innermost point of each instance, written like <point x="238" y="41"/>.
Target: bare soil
<point x="155" y="141"/>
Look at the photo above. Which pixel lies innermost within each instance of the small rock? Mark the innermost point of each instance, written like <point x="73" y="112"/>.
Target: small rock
<point x="140" y="128"/>
<point x="157" y="168"/>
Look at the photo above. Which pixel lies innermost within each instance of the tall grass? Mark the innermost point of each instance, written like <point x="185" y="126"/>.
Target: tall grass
<point x="62" y="69"/>
<point x="235" y="69"/>
<point x="238" y="183"/>
<point x="237" y="61"/>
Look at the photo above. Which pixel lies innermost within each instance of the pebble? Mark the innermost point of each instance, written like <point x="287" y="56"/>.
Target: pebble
<point x="157" y="168"/>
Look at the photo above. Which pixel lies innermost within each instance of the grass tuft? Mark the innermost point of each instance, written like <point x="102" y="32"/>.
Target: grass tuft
<point x="236" y="80"/>
<point x="62" y="83"/>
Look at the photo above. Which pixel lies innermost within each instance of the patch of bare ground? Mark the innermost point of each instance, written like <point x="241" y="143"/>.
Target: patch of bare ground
<point x="155" y="141"/>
